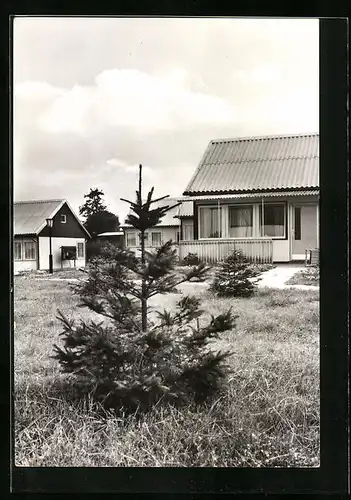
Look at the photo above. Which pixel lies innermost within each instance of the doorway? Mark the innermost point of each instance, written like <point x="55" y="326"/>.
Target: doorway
<point x="304" y="230"/>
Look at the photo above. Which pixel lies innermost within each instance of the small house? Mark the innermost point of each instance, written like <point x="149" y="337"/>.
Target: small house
<point x="256" y="194"/>
<point x="116" y="238"/>
<point x="32" y="235"/>
<point x="168" y="229"/>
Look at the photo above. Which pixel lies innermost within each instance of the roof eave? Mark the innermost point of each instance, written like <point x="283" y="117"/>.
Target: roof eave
<point x="243" y="191"/>
<point x="25" y="234"/>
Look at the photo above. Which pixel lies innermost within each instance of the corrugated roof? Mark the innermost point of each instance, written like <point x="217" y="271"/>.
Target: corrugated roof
<point x="112" y="233"/>
<point x="29" y="216"/>
<point x="258" y="163"/>
<point x="256" y="194"/>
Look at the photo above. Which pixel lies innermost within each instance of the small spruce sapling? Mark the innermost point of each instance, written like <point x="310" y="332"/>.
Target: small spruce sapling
<point x="235" y="277"/>
<point x="129" y="360"/>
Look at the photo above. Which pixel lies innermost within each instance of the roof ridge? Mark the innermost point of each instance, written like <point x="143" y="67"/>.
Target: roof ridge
<point x="39" y="201"/>
<point x="257" y="137"/>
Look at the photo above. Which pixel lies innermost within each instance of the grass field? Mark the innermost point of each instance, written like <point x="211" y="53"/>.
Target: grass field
<point x="308" y="276"/>
<point x="267" y="417"/>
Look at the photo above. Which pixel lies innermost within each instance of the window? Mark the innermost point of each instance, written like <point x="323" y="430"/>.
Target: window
<point x="210" y="226"/>
<point x="146" y="239"/>
<point x="297" y="223"/>
<point x="240" y="221"/>
<point x="80" y="250"/>
<point x="131" y="240"/>
<point x="29" y="250"/>
<point x="188" y="230"/>
<point x="177" y="236"/>
<point x="18" y="250"/>
<point x="156" y="239"/>
<point x="63" y="219"/>
<point x="274" y="221"/>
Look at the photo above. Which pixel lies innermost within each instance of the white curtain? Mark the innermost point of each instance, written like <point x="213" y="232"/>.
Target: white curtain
<point x="29" y="250"/>
<point x="240" y="222"/>
<point x="131" y="240"/>
<point x="188" y="230"/>
<point x="273" y="220"/>
<point x="156" y="239"/>
<point x="209" y="227"/>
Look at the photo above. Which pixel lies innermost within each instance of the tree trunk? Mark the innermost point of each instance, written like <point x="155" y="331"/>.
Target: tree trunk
<point x="143" y="287"/>
<point x="143" y="280"/>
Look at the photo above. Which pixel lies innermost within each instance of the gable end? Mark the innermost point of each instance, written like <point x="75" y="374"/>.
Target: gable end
<point x="69" y="229"/>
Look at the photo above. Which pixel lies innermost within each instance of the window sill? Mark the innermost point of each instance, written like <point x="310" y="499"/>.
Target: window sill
<point x="240" y="238"/>
<point x="274" y="237"/>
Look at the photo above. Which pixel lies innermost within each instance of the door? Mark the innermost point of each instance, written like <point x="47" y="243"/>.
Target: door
<point x="304" y="230"/>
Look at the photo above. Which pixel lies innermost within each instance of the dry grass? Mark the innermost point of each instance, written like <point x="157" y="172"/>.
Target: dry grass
<point x="308" y="276"/>
<point x="268" y="416"/>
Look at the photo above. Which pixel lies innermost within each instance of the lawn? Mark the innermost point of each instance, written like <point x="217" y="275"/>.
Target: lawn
<point x="308" y="276"/>
<point x="268" y="416"/>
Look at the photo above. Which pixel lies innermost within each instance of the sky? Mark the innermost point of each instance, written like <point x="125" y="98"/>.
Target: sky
<point x="96" y="97"/>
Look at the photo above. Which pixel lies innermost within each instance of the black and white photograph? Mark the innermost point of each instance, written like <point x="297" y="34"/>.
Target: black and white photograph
<point x="166" y="229"/>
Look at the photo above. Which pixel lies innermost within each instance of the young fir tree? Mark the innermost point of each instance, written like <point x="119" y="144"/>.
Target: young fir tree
<point x="235" y="277"/>
<point x="131" y="360"/>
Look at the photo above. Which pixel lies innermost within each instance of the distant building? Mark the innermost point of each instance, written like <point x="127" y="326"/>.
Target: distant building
<point x="114" y="237"/>
<point x="168" y="229"/>
<point x="31" y="236"/>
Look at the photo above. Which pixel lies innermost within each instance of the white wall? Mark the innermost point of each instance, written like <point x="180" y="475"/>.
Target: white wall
<point x="281" y="251"/>
<point x="24" y="265"/>
<point x="57" y="243"/>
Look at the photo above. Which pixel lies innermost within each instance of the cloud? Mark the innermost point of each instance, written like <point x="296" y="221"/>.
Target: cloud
<point x="259" y="74"/>
<point x="88" y="109"/>
<point x="135" y="99"/>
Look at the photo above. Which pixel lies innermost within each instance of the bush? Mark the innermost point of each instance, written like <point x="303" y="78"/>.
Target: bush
<point x="93" y="249"/>
<point x="235" y="277"/>
<point x="96" y="248"/>
<point x="191" y="260"/>
<point x="129" y="361"/>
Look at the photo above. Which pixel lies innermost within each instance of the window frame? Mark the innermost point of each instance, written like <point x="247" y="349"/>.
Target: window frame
<point x="24" y="242"/>
<point x="131" y="234"/>
<point x="241" y="205"/>
<point x="187" y="226"/>
<point x="19" y="243"/>
<point x="152" y="239"/>
<point x="297" y="223"/>
<point x="204" y="207"/>
<point x="83" y="250"/>
<point x="63" y="218"/>
<point x="270" y="204"/>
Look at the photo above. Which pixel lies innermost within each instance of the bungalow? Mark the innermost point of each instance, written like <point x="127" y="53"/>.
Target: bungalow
<point x="116" y="238"/>
<point x="32" y="235"/>
<point x="167" y="229"/>
<point x="257" y="194"/>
